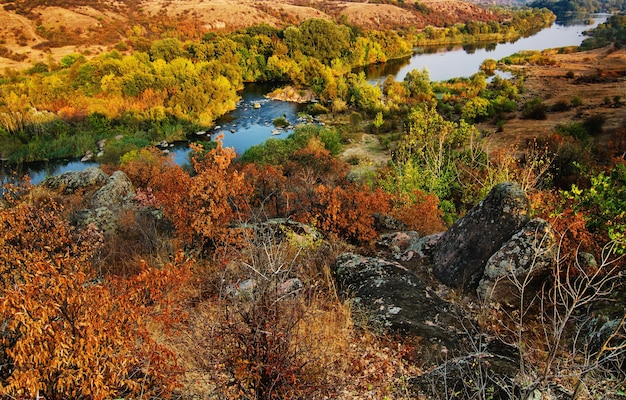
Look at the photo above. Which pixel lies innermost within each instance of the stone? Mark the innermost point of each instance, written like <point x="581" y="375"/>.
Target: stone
<point x="398" y="242"/>
<point x="394" y="298"/>
<point x="102" y="217"/>
<point x="384" y="222"/>
<point x="71" y="181"/>
<point x="527" y="258"/>
<point x="117" y="193"/>
<point x="460" y="255"/>
<point x="490" y="369"/>
<point x="290" y="286"/>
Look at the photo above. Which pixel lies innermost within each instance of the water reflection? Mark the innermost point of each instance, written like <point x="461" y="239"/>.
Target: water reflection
<point x="446" y="62"/>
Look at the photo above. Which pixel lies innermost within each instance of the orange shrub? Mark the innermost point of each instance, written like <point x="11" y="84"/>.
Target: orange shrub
<point x="422" y="215"/>
<point x="68" y="333"/>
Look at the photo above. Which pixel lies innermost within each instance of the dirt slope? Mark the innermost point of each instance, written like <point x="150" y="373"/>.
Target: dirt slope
<point x="598" y="74"/>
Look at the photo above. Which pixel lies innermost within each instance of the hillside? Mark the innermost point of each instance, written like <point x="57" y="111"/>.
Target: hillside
<point x="33" y="31"/>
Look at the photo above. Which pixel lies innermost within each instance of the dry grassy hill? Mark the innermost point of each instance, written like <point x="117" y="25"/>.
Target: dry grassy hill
<point x="36" y="30"/>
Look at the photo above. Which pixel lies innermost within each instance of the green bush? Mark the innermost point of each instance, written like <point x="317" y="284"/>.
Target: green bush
<point x="280" y="122"/>
<point x="534" y="109"/>
<point x="603" y="204"/>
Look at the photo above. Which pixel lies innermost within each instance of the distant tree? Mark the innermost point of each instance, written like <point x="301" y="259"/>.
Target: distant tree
<point x="418" y="83"/>
<point x="167" y="49"/>
<point x="323" y="39"/>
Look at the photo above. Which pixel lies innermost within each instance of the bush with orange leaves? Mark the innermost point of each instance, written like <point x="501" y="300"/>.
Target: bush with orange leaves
<point x="202" y="206"/>
<point x="348" y="211"/>
<point x="419" y="212"/>
<point x="313" y="188"/>
<point x="68" y="333"/>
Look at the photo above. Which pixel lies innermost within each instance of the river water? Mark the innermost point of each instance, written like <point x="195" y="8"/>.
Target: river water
<point x="251" y="122"/>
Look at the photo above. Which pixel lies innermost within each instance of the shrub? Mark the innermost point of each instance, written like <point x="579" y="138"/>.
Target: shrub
<point x="67" y="332"/>
<point x="534" y="109"/>
<point x="577" y="101"/>
<point x="280" y="122"/>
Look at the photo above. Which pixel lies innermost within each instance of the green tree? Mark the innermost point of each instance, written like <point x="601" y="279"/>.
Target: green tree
<point x="167" y="49"/>
<point x="323" y="39"/>
<point x="418" y="83"/>
<point x="476" y="109"/>
<point x="378" y="120"/>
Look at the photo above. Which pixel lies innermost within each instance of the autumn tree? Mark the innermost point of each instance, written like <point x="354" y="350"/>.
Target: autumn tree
<point x="202" y="206"/>
<point x="67" y="332"/>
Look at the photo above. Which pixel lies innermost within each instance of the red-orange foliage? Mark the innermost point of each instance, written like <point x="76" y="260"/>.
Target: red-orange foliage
<point x="312" y="188"/>
<point x="422" y="215"/>
<point x="66" y="332"/>
<point x="349" y="211"/>
<point x="269" y="189"/>
<point x="202" y="207"/>
<point x="570" y="226"/>
<point x="314" y="164"/>
<point x="218" y="196"/>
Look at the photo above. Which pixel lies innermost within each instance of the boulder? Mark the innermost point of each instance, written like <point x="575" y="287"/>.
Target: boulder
<point x="116" y="194"/>
<point x="489" y="370"/>
<point x="397" y="243"/>
<point x="384" y="222"/>
<point x="460" y="255"/>
<point x="102" y="217"/>
<point x="71" y="181"/>
<point x="394" y="298"/>
<point x="409" y="248"/>
<point x="527" y="259"/>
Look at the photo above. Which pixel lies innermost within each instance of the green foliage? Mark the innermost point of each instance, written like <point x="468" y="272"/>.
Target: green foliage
<point x="575" y="130"/>
<point x="361" y="94"/>
<point x="277" y="151"/>
<point x="612" y="31"/>
<point x="332" y="140"/>
<point x="167" y="50"/>
<point x="604" y="204"/>
<point x="534" y="109"/>
<point x="520" y="22"/>
<point x="427" y="155"/>
<point x="564" y="7"/>
<point x="476" y="109"/>
<point x="321" y="39"/>
<point x="280" y="122"/>
<point x="418" y="83"/>
<point x="489" y="65"/>
<point x="378" y="120"/>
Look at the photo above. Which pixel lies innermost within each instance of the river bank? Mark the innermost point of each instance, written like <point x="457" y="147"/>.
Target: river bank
<point x="587" y="83"/>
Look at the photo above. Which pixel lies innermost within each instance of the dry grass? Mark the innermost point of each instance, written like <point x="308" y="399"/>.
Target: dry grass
<point x="549" y="82"/>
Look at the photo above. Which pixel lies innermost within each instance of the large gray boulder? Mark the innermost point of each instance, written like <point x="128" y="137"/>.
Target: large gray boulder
<point x="460" y="255"/>
<point x="107" y="196"/>
<point x="490" y="369"/>
<point x="523" y="261"/>
<point x="394" y="298"/>
<point x="71" y="181"/>
<point x="116" y="194"/>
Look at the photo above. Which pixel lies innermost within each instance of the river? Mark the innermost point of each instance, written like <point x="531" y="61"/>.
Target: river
<point x="251" y="122"/>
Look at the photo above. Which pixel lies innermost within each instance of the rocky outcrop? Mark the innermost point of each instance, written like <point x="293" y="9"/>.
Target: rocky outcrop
<point x="114" y="195"/>
<point x="526" y="259"/>
<point x="117" y="193"/>
<point x="392" y="297"/>
<point x="69" y="182"/>
<point x="293" y="95"/>
<point x="490" y="369"/>
<point x="413" y="251"/>
<point x="460" y="255"/>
